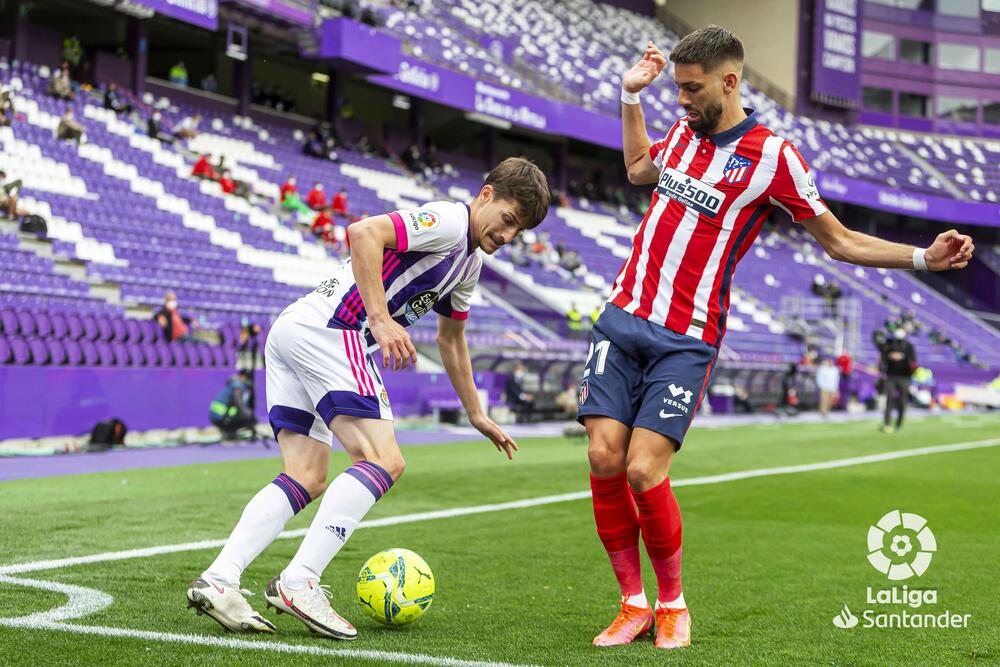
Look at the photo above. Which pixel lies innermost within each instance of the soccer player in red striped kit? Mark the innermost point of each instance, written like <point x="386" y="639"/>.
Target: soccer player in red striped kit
<point x="719" y="174"/>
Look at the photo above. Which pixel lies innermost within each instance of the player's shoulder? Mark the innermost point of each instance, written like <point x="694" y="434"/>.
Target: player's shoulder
<point x="762" y="132"/>
<point x="437" y="216"/>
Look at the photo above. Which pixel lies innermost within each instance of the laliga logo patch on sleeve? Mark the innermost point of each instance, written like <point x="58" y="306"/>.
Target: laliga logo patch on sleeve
<point x="811" y="192"/>
<point x="422" y="220"/>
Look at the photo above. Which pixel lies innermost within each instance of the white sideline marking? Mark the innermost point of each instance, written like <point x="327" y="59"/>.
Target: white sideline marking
<point x="35" y="566"/>
<point x="85" y="601"/>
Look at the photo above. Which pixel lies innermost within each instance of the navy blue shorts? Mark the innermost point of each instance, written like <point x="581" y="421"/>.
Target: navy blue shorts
<point x="644" y="375"/>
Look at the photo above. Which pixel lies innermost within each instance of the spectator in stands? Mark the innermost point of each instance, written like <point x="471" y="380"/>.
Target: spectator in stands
<point x="339" y="203"/>
<point x="154" y="128"/>
<point x="209" y="84"/>
<point x="69" y="129"/>
<point x="570" y="262"/>
<point x="72" y="51"/>
<point x="7" y="113"/>
<point x="520" y="400"/>
<point x="230" y="410"/>
<point x="828" y="383"/>
<point x="176" y="327"/>
<point x="322" y="223"/>
<point x="313" y="146"/>
<point x="8" y="196"/>
<point x="595" y="314"/>
<point x="789" y="393"/>
<point x="411" y="158"/>
<point x="179" y="74"/>
<point x="316" y="198"/>
<point x="287" y="188"/>
<point x="113" y="100"/>
<point x="204" y="169"/>
<point x="61" y="84"/>
<point x="898" y="362"/>
<point x="741" y="400"/>
<point x="188" y="127"/>
<point x="574" y="321"/>
<point x="227" y="183"/>
<point x="519" y="252"/>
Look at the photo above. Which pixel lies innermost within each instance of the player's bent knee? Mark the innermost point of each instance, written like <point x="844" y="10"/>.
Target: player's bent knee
<point x="605" y="459"/>
<point x="313" y="481"/>
<point x="643" y="474"/>
<point x="394" y="464"/>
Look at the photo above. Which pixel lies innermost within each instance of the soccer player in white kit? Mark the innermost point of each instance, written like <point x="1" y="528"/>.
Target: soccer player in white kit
<point x="322" y="382"/>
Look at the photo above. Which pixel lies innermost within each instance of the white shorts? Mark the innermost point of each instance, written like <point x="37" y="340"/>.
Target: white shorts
<point x="315" y="373"/>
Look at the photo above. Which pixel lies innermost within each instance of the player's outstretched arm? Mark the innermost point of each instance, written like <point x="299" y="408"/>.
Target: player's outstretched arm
<point x="950" y="249"/>
<point x="369" y="239"/>
<point x="455" y="357"/>
<point x="635" y="141"/>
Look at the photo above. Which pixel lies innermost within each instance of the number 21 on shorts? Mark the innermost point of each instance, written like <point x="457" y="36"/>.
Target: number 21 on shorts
<point x="602" y="357"/>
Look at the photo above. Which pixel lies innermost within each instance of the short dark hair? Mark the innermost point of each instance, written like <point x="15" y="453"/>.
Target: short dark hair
<point x="522" y="182"/>
<point x="709" y="47"/>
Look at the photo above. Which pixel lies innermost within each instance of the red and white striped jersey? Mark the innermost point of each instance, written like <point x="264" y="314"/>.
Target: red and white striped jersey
<point x="713" y="195"/>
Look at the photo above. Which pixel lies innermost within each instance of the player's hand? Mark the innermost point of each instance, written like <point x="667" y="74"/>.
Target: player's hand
<point x="644" y="71"/>
<point x="397" y="348"/>
<point x="950" y="250"/>
<point x="503" y="442"/>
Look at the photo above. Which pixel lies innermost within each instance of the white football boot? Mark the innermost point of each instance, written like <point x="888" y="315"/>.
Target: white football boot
<point x="311" y="605"/>
<point x="227" y="605"/>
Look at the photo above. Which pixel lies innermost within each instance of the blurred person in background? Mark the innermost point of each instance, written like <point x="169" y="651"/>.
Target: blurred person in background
<point x="898" y="362"/>
<point x="828" y="383"/>
<point x="113" y="100"/>
<point x="316" y="198"/>
<point x="8" y="196"/>
<point x="61" y="84"/>
<point x="69" y="129"/>
<point x="176" y="327"/>
<point x="230" y="411"/>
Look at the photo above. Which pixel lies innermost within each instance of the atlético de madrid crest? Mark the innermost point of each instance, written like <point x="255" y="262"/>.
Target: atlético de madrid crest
<point x="737" y="169"/>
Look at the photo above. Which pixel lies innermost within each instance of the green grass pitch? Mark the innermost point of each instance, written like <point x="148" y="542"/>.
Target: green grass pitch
<point x="768" y="561"/>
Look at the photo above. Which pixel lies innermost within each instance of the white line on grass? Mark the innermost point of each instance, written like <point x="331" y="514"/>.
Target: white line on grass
<point x="85" y="601"/>
<point x="35" y="566"/>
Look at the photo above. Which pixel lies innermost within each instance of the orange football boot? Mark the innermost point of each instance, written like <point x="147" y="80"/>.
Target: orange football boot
<point x="673" y="628"/>
<point x="630" y="623"/>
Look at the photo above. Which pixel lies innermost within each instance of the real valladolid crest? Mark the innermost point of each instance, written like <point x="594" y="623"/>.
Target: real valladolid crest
<point x="901" y="546"/>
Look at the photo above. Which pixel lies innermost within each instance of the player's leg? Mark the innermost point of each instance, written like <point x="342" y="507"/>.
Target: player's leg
<point x="889" y="391"/>
<point x="674" y="384"/>
<point x="608" y="394"/>
<point x="347" y="391"/>
<point x="217" y="591"/>
<point x="377" y="464"/>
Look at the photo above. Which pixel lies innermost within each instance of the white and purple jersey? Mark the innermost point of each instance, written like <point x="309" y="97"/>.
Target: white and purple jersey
<point x="434" y="267"/>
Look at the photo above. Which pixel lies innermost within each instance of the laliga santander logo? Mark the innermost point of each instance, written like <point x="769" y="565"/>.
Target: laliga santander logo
<point x="900" y="545"/>
<point x="426" y="219"/>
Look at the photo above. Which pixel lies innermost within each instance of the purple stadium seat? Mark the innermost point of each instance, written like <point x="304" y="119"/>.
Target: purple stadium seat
<point x="151" y="331"/>
<point x="20" y="350"/>
<point x="89" y="327"/>
<point x="58" y="321"/>
<point x="133" y="333"/>
<point x="39" y="353"/>
<point x="104" y="353"/>
<point x="104" y="330"/>
<point x="74" y="328"/>
<point x="191" y="354"/>
<point x="26" y="322"/>
<point x="90" y="357"/>
<point x="74" y="355"/>
<point x="57" y="354"/>
<point x="135" y="355"/>
<point x="179" y="359"/>
<point x="218" y="356"/>
<point x="118" y="329"/>
<point x="5" y="352"/>
<point x="149" y="353"/>
<point x="205" y="354"/>
<point x="163" y="352"/>
<point x="43" y="325"/>
<point x="121" y="354"/>
<point x="8" y="322"/>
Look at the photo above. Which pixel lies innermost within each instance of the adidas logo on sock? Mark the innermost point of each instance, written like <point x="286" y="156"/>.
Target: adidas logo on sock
<point x="339" y="531"/>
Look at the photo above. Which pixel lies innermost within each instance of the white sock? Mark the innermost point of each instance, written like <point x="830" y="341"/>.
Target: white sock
<point x="346" y="501"/>
<point x="263" y="518"/>
<point x="673" y="604"/>
<point x="638" y="600"/>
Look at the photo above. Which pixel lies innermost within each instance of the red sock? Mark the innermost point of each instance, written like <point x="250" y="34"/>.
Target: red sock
<point x="660" y="519"/>
<point x="618" y="528"/>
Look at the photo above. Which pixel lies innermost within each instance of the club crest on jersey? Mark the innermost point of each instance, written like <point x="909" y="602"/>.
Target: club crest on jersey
<point x="737" y="169"/>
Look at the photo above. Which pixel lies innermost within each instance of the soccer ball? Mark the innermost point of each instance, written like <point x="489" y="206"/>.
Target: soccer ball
<point x="395" y="587"/>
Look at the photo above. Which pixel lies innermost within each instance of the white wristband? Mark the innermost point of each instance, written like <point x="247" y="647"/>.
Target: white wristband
<point x="629" y="98"/>
<point x="919" y="262"/>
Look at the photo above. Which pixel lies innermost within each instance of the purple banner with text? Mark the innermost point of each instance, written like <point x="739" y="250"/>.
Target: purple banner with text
<point x="836" y="63"/>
